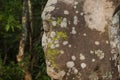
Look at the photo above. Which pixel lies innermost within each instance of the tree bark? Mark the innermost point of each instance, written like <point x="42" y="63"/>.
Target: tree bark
<point x="20" y="55"/>
<point x="30" y="24"/>
<point x="24" y="32"/>
<point x="30" y="33"/>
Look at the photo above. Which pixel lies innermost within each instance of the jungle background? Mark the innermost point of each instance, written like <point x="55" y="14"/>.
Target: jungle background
<point x="21" y="53"/>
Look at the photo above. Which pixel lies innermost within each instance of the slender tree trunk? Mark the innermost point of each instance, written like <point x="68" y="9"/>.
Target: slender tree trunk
<point x="20" y="55"/>
<point x="30" y="32"/>
<point x="30" y="24"/>
<point x="24" y="32"/>
<point x="30" y="29"/>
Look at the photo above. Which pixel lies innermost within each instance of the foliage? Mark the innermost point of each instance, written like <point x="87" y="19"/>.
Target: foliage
<point x="10" y="33"/>
<point x="10" y="15"/>
<point x="11" y="72"/>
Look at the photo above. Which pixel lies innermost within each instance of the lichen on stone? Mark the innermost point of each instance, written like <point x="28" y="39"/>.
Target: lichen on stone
<point x="97" y="43"/>
<point x="82" y="57"/>
<point x="64" y="23"/>
<point x="73" y="58"/>
<point x="70" y="64"/>
<point x="52" y="47"/>
<point x="73" y="30"/>
<point x="100" y="54"/>
<point x="83" y="65"/>
<point x="66" y="12"/>
<point x="54" y="39"/>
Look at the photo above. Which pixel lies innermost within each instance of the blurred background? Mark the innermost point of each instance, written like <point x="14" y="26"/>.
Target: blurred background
<point x="21" y="53"/>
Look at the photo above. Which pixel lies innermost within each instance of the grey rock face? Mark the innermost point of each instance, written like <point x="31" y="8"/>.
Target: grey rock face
<point x="81" y="39"/>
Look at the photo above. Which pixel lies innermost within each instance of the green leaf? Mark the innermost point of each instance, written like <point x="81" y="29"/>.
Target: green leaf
<point x="1" y="79"/>
<point x="7" y="27"/>
<point x="19" y="26"/>
<point x="45" y="77"/>
<point x="12" y="28"/>
<point x="11" y="18"/>
<point x="1" y="17"/>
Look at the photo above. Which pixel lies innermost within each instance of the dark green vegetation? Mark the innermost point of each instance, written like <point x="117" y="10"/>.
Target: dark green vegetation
<point x="10" y="34"/>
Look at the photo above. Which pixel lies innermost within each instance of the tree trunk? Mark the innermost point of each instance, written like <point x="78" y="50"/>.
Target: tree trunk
<point x="30" y="24"/>
<point x="20" y="55"/>
<point x="81" y="40"/>
<point x="24" y="32"/>
<point x="30" y="33"/>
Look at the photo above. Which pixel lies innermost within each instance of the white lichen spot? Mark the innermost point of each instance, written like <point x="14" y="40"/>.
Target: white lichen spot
<point x="65" y="43"/>
<point x="66" y="12"/>
<point x="44" y="40"/>
<point x="73" y="30"/>
<point x="98" y="12"/>
<point x="99" y="54"/>
<point x="73" y="58"/>
<point x="97" y="43"/>
<point x="54" y="23"/>
<point x="52" y="34"/>
<point x="76" y="3"/>
<point x="62" y="73"/>
<point x="56" y="41"/>
<point x="61" y="51"/>
<point x="70" y="64"/>
<point x="75" y="20"/>
<point x="52" y="46"/>
<point x="107" y="42"/>
<point x="83" y="65"/>
<point x="81" y="13"/>
<point x="93" y="60"/>
<point x="75" y="6"/>
<point x="57" y="45"/>
<point x="64" y="23"/>
<point x="48" y="63"/>
<point x="91" y="52"/>
<point x="84" y="34"/>
<point x="68" y="74"/>
<point x="82" y="57"/>
<point x="69" y="45"/>
<point x="75" y="71"/>
<point x="77" y="12"/>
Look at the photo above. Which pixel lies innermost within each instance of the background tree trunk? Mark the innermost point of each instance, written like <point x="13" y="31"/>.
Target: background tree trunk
<point x="26" y="7"/>
<point x="24" y="32"/>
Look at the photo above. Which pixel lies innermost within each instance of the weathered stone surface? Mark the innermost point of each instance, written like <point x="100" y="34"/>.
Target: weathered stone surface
<point x="81" y="39"/>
